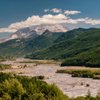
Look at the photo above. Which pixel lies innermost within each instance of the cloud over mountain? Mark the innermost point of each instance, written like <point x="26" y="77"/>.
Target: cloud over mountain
<point x="60" y="17"/>
<point x="38" y="20"/>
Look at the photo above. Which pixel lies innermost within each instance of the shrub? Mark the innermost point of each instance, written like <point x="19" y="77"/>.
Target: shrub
<point x="82" y="73"/>
<point x="4" y="66"/>
<point x="96" y="77"/>
<point x="13" y="87"/>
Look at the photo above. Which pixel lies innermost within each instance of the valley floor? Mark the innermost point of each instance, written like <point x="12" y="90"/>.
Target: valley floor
<point x="71" y="86"/>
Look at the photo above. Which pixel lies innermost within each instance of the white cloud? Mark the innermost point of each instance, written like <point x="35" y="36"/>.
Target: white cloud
<point x="89" y="21"/>
<point x="7" y="30"/>
<point x="36" y="20"/>
<point x="46" y="10"/>
<point x="92" y="21"/>
<point x="69" y="12"/>
<point x="49" y="19"/>
<point x="56" y="10"/>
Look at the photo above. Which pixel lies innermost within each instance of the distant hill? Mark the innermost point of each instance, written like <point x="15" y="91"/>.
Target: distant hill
<point x="77" y="47"/>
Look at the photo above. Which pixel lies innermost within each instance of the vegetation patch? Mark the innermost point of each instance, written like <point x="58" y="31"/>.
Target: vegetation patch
<point x="84" y="73"/>
<point x="40" y="77"/>
<point x="14" y="87"/>
<point x="4" y="66"/>
<point x="96" y="77"/>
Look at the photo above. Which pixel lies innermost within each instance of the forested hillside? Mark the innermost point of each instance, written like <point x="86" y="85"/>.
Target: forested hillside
<point x="76" y="47"/>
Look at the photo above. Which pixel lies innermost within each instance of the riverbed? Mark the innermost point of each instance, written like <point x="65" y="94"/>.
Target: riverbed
<point x="70" y="86"/>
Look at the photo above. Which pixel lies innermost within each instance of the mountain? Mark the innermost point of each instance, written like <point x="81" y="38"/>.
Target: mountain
<point x="76" y="47"/>
<point x="34" y="31"/>
<point x="24" y="33"/>
<point x="22" y="45"/>
<point x="20" y="34"/>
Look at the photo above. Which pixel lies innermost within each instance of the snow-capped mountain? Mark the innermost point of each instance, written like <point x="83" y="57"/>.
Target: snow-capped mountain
<point x="37" y="30"/>
<point x="24" y="33"/>
<point x="34" y="31"/>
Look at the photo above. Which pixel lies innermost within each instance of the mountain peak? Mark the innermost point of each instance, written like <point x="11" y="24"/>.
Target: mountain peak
<point x="23" y="33"/>
<point x="47" y="32"/>
<point x="34" y="31"/>
<point x="40" y="29"/>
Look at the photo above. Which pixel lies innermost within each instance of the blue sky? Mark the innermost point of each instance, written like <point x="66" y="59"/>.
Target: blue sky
<point x="12" y="11"/>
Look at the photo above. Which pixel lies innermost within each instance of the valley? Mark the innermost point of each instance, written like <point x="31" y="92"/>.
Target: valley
<point x="49" y="50"/>
<point x="71" y="86"/>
